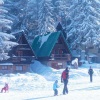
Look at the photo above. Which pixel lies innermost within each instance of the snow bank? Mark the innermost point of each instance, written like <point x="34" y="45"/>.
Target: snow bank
<point x="46" y="71"/>
<point x="33" y="86"/>
<point x="27" y="81"/>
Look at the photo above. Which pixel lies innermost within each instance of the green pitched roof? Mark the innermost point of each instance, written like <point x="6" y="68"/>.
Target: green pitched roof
<point x="43" y="44"/>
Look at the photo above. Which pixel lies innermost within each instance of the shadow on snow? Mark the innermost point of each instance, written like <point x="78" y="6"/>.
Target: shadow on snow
<point x="88" y="88"/>
<point x="40" y="97"/>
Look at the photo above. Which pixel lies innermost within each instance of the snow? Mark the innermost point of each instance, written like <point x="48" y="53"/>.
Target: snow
<point x="44" y="39"/>
<point x="1" y="2"/>
<point x="38" y="84"/>
<point x="19" y="31"/>
<point x="6" y="63"/>
<point x="75" y="61"/>
<point x="98" y="1"/>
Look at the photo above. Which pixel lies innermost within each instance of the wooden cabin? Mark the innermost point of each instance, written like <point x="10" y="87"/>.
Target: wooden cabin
<point x="52" y="49"/>
<point x="21" y="56"/>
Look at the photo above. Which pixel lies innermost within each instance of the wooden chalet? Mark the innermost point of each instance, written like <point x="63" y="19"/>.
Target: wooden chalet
<point x="52" y="49"/>
<point x="21" y="56"/>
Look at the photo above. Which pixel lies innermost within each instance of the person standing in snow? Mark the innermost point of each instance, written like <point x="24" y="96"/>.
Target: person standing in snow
<point x="55" y="86"/>
<point x="64" y="79"/>
<point x="90" y="72"/>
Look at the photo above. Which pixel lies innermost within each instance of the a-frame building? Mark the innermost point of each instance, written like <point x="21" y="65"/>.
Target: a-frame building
<point x="21" y="56"/>
<point x="22" y="53"/>
<point x="52" y="49"/>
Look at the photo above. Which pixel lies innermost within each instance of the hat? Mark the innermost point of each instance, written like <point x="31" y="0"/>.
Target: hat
<point x="56" y="81"/>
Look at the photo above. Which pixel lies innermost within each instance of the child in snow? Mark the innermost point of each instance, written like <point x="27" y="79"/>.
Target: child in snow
<point x="55" y="86"/>
<point x="5" y="88"/>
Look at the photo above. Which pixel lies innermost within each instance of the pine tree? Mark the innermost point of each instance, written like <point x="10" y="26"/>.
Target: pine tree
<point x="45" y="19"/>
<point x="30" y="21"/>
<point x="5" y="27"/>
<point x="17" y="12"/>
<point x="84" y="27"/>
<point x="60" y="12"/>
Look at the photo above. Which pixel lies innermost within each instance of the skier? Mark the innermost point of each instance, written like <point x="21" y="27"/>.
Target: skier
<point x="64" y="79"/>
<point x="90" y="72"/>
<point x="55" y="86"/>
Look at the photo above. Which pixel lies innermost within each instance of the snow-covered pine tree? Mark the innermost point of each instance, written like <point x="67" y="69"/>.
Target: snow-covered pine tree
<point x="16" y="12"/>
<point x="25" y="12"/>
<point x="85" y="23"/>
<point x="45" y="17"/>
<point x="5" y="25"/>
<point x="30" y="21"/>
<point x="60" y="12"/>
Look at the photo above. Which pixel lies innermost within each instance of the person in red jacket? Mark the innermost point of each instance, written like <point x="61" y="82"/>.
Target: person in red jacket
<point x="5" y="88"/>
<point x="64" y="79"/>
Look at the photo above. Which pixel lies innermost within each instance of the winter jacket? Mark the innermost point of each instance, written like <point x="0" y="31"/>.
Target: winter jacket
<point x="55" y="86"/>
<point x="65" y="74"/>
<point x="90" y="71"/>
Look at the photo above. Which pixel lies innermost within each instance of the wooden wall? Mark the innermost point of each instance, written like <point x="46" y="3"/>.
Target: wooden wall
<point x="5" y="69"/>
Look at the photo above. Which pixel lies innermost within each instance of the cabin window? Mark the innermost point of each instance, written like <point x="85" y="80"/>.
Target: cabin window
<point x="64" y="51"/>
<point x="20" y="53"/>
<point x="19" y="68"/>
<point x="4" y="67"/>
<point x="60" y="51"/>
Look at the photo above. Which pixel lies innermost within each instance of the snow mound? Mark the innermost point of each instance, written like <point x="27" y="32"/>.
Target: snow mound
<point x="46" y="71"/>
<point x="27" y="81"/>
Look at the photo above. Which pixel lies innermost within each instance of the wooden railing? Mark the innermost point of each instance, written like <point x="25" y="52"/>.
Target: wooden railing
<point x="61" y="56"/>
<point x="22" y="59"/>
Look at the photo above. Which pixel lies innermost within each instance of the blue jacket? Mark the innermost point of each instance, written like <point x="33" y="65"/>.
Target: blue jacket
<point x="55" y="86"/>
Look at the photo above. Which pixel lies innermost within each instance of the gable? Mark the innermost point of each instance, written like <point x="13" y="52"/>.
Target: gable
<point x="44" y="44"/>
<point x="23" y="46"/>
<point x="22" y="39"/>
<point x="61" y="46"/>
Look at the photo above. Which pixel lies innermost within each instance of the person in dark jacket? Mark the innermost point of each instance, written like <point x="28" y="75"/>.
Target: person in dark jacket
<point x="90" y="72"/>
<point x="64" y="79"/>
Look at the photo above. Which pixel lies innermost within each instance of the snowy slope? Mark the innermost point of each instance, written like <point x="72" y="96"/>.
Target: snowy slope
<point x="38" y="84"/>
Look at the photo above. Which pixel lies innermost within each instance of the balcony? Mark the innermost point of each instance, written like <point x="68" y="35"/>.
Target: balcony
<point x="22" y="59"/>
<point x="61" y="56"/>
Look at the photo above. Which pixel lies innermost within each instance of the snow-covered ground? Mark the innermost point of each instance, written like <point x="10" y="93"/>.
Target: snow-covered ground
<point x="37" y="85"/>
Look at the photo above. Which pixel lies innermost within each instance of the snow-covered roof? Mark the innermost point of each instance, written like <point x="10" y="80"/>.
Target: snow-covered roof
<point x="44" y="38"/>
<point x="6" y="63"/>
<point x="92" y="55"/>
<point x="44" y="44"/>
<point x="17" y="32"/>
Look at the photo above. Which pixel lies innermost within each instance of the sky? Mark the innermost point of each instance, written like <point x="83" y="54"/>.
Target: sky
<point x="38" y="84"/>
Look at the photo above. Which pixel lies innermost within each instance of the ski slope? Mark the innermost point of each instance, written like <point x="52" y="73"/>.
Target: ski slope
<point x="38" y="84"/>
